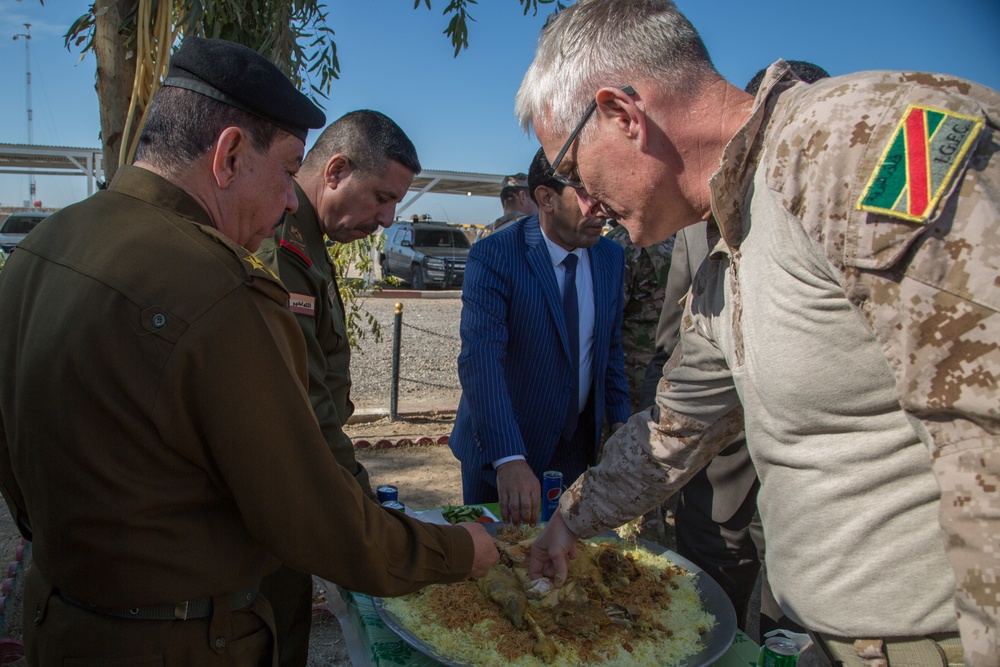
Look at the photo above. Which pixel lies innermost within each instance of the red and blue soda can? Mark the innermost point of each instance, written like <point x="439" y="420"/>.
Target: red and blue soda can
<point x="551" y="492"/>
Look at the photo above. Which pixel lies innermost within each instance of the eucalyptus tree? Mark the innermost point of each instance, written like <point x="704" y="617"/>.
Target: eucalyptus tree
<point x="132" y="40"/>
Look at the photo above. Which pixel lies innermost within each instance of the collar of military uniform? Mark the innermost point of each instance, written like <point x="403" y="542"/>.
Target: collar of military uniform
<point x="301" y="234"/>
<point x="507" y="217"/>
<point x="716" y="244"/>
<point x="729" y="184"/>
<point x="158" y="191"/>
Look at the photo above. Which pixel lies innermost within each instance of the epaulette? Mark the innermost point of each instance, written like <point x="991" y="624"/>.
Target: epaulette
<point x="251" y="265"/>
<point x="256" y="268"/>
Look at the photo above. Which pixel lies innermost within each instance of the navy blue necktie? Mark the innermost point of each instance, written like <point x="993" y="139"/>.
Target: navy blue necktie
<point x="571" y="314"/>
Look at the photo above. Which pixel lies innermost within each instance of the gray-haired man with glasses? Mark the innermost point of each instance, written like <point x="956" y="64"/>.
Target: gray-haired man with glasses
<point x="847" y="316"/>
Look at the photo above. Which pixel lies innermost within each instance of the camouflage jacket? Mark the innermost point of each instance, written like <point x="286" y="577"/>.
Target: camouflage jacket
<point x="894" y="183"/>
<point x="646" y="272"/>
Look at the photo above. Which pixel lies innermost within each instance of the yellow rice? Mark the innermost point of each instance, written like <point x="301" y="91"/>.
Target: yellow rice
<point x="481" y="643"/>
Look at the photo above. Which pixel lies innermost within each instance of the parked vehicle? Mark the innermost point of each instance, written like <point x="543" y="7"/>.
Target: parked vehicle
<point x="16" y="227"/>
<point x="425" y="253"/>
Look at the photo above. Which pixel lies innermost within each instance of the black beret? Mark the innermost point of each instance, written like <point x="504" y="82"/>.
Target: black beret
<point x="240" y="77"/>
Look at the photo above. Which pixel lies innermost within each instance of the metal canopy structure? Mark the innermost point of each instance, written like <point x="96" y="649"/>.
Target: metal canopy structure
<point x="461" y="183"/>
<point x="65" y="161"/>
<point x="53" y="161"/>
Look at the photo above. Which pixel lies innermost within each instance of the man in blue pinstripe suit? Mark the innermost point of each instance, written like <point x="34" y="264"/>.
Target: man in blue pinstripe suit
<point x="519" y="414"/>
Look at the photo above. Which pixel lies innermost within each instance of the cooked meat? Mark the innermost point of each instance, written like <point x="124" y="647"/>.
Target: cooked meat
<point x="501" y="586"/>
<point x="585" y="620"/>
<point x="544" y="647"/>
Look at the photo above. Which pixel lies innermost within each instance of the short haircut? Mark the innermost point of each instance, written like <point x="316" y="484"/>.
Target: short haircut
<point x="509" y="195"/>
<point x="598" y="43"/>
<point x="182" y="126"/>
<point x="540" y="173"/>
<point x="369" y="139"/>
<point x="806" y="71"/>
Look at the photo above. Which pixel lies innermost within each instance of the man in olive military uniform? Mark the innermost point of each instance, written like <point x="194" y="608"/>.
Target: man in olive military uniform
<point x="646" y="272"/>
<point x="157" y="442"/>
<point x="848" y="318"/>
<point x="516" y="201"/>
<point x="360" y="167"/>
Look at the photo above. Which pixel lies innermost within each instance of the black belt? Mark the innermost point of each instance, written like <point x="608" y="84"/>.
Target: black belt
<point x="182" y="611"/>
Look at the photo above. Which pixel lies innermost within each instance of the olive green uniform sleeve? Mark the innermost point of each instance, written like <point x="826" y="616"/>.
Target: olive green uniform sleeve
<point x="294" y="498"/>
<point x="11" y="490"/>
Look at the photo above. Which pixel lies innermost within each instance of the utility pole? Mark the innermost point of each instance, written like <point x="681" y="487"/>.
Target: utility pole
<point x="27" y="67"/>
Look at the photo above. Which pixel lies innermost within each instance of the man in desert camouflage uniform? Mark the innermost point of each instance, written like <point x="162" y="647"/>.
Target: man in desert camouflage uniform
<point x="646" y="272"/>
<point x="847" y="315"/>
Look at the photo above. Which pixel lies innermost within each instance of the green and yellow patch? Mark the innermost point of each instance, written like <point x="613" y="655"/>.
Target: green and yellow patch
<point x="918" y="164"/>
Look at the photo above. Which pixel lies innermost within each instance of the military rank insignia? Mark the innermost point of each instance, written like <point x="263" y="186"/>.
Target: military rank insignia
<point x="294" y="242"/>
<point x="921" y="159"/>
<point x="258" y="265"/>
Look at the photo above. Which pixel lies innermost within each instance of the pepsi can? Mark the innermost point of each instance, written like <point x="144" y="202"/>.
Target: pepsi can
<point x="387" y="492"/>
<point x="551" y="492"/>
<point x="395" y="505"/>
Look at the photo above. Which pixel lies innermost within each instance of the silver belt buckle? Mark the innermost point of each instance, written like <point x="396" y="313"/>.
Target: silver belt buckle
<point x="181" y="611"/>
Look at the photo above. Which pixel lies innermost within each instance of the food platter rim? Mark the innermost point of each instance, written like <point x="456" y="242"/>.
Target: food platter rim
<point x="717" y="640"/>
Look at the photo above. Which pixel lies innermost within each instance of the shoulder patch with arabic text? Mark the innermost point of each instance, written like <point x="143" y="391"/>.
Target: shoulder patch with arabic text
<point x="921" y="159"/>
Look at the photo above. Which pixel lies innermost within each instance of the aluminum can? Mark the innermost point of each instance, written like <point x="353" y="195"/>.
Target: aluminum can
<point x="778" y="652"/>
<point x="395" y="505"/>
<point x="387" y="492"/>
<point x="551" y="491"/>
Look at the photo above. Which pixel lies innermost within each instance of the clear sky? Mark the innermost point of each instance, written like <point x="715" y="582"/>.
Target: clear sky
<point x="459" y="111"/>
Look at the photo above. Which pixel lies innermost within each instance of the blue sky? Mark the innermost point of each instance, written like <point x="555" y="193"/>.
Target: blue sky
<point x="459" y="111"/>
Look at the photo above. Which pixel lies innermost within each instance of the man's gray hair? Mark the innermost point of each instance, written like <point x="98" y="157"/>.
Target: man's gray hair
<point x="598" y="43"/>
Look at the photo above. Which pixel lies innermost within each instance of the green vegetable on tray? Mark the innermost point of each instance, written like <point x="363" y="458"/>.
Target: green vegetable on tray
<point x="460" y="513"/>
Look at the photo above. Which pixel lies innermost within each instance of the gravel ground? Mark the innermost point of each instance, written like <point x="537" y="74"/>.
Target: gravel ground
<point x="428" y="355"/>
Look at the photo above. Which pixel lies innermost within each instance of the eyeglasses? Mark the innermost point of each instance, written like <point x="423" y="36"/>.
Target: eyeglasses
<point x="576" y="183"/>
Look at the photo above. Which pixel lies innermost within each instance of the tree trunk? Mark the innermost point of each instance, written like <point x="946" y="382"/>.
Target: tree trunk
<point x="115" y="76"/>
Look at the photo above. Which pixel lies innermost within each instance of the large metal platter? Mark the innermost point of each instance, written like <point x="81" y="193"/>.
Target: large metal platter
<point x="713" y="599"/>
